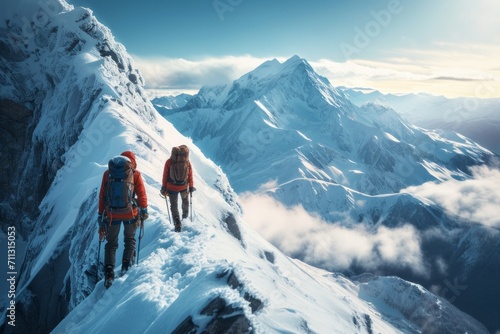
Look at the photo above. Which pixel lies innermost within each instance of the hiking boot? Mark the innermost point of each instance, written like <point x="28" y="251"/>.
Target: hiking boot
<point x="178" y="227"/>
<point x="109" y="272"/>
<point x="177" y="224"/>
<point x="184" y="215"/>
<point x="125" y="265"/>
<point x="109" y="276"/>
<point x="131" y="262"/>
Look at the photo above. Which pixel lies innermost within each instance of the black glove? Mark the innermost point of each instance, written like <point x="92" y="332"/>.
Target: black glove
<point x="163" y="191"/>
<point x="192" y="189"/>
<point x="143" y="213"/>
<point x="100" y="220"/>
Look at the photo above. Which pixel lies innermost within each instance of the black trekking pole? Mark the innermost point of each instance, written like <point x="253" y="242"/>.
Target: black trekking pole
<point x="101" y="239"/>
<point x="141" y="234"/>
<point x="98" y="260"/>
<point x="168" y="208"/>
<point x="191" y="204"/>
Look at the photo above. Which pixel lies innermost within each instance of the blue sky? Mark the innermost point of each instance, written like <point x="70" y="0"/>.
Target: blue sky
<point x="446" y="47"/>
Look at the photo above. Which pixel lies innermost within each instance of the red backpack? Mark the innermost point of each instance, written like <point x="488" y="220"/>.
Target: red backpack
<point x="179" y="165"/>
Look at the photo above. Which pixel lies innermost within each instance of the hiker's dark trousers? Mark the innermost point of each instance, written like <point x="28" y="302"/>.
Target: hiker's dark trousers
<point x="173" y="197"/>
<point x="129" y="228"/>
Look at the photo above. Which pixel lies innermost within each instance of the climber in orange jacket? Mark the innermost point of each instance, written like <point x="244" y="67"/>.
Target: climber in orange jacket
<point x="122" y="199"/>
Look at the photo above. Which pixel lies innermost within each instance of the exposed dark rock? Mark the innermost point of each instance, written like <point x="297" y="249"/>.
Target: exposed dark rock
<point x="233" y="281"/>
<point x="14" y="135"/>
<point x="219" y="307"/>
<point x="186" y="327"/>
<point x="133" y="78"/>
<point x="368" y="323"/>
<point x="255" y="303"/>
<point x="226" y="318"/>
<point x="372" y="153"/>
<point x="269" y="256"/>
<point x="235" y="324"/>
<point x="10" y="46"/>
<point x="106" y="51"/>
<point x="48" y="303"/>
<point x="232" y="226"/>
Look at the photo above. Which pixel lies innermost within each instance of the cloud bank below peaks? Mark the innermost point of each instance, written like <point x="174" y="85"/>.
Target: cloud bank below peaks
<point x="330" y="246"/>
<point x="476" y="200"/>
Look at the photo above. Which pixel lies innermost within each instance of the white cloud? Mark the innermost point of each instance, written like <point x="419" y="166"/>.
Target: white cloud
<point x="476" y="199"/>
<point x="448" y="69"/>
<point x="271" y="184"/>
<point x="171" y="73"/>
<point x="479" y="17"/>
<point x="300" y="234"/>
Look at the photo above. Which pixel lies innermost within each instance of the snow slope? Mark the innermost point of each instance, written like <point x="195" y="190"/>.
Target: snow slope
<point x="217" y="275"/>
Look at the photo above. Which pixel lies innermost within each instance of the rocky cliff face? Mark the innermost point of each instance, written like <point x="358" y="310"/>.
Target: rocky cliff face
<point x="16" y="127"/>
<point x="55" y="63"/>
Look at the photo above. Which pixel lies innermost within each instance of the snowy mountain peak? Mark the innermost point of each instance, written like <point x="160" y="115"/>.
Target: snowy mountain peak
<point x="294" y="68"/>
<point x="291" y="80"/>
<point x="266" y="68"/>
<point x="295" y="59"/>
<point x="15" y="12"/>
<point x="274" y="66"/>
<point x="295" y="63"/>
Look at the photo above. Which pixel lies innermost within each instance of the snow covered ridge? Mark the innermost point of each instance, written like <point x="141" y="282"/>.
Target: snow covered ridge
<point x="284" y="131"/>
<point x="62" y="77"/>
<point x="57" y="58"/>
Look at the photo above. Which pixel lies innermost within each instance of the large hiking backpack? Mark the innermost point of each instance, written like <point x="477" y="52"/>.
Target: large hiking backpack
<point x="179" y="166"/>
<point x="119" y="195"/>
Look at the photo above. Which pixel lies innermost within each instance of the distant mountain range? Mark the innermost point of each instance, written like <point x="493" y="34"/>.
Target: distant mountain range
<point x="284" y="130"/>
<point x="476" y="118"/>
